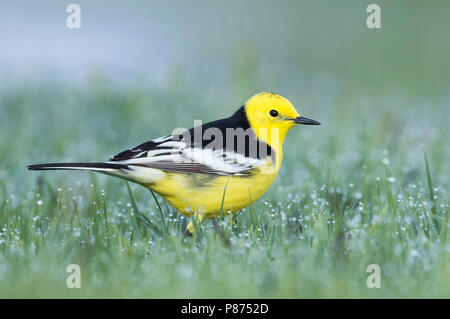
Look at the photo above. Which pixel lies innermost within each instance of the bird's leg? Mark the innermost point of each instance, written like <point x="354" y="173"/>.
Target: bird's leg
<point x="191" y="227"/>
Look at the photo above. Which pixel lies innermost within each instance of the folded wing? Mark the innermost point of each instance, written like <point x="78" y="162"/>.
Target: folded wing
<point x="175" y="154"/>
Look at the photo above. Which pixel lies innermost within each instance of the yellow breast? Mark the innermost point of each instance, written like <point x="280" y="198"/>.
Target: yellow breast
<point x="205" y="193"/>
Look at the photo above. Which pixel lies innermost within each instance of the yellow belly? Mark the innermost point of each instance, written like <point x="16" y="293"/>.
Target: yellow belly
<point x="205" y="193"/>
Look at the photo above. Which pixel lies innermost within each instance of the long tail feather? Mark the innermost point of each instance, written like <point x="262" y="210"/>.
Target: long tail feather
<point x="100" y="167"/>
<point x="132" y="173"/>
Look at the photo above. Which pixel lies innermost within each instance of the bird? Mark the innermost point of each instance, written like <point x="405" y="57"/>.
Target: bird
<point x="213" y="169"/>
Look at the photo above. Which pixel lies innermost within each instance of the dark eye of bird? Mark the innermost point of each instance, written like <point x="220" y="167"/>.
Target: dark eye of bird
<point x="274" y="113"/>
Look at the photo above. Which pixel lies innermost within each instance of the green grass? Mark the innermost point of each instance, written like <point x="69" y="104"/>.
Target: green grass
<point x="355" y="191"/>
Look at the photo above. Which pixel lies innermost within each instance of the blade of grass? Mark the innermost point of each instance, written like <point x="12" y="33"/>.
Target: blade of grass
<point x="160" y="210"/>
<point x="136" y="212"/>
<point x="434" y="217"/>
<point x="223" y="198"/>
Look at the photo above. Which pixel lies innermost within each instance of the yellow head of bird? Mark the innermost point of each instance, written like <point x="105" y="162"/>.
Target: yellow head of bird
<point x="272" y="115"/>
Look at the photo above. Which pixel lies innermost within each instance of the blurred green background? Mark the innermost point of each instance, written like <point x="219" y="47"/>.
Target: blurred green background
<point x="351" y="192"/>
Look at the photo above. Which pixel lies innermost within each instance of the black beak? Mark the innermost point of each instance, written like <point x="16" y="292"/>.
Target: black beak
<point x="305" y="120"/>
